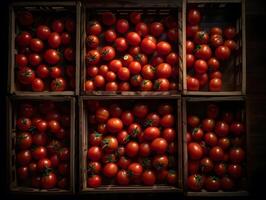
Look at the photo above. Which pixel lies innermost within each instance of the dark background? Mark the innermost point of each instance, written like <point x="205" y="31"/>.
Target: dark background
<point x="256" y="103"/>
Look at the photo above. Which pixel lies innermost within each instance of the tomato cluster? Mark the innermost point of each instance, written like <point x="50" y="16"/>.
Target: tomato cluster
<point x="207" y="53"/>
<point x="131" y="54"/>
<point x="215" y="147"/>
<point x="42" y="145"/>
<point x="131" y="144"/>
<point x="45" y="59"/>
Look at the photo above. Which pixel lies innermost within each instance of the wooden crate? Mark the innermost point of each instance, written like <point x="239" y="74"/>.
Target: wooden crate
<point x="83" y="147"/>
<point x="44" y="8"/>
<point x="11" y="145"/>
<point x="123" y="8"/>
<point x="198" y="106"/>
<point x="221" y="13"/>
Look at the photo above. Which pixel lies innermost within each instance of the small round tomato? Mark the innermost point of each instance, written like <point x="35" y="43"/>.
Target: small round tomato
<point x="44" y="164"/>
<point x="216" y="153"/>
<point x="237" y="128"/>
<point x="111" y="86"/>
<point x="94" y="181"/>
<point x="92" y="57"/>
<point x="220" y="169"/>
<point x="208" y="124"/>
<point x="122" y="177"/>
<point x="58" y="26"/>
<point x="95" y="139"/>
<point x="163" y="48"/>
<point x="172" y="34"/>
<point x="122" y="26"/>
<point x="23" y="157"/>
<point x="231" y="44"/>
<point x="99" y="81"/>
<point x="229" y="32"/>
<point x="212" y="184"/>
<point x="132" y="149"/>
<point x="193" y="17"/>
<point x="37" y="85"/>
<point x="115" y="65"/>
<point x="210" y="139"/>
<point x="142" y="29"/>
<point x="195" y="182"/>
<point x="156" y="29"/>
<point x="201" y="37"/>
<point x="21" y="60"/>
<point x="39" y="152"/>
<point x="152" y="119"/>
<point x="135" y="17"/>
<point x="133" y="38"/>
<point x="34" y="59"/>
<point x="193" y="121"/>
<point x="203" y="52"/>
<point x="94" y="153"/>
<point x="121" y="44"/>
<point x="189" y="46"/>
<point x="24" y="18"/>
<point x="110" y="170"/>
<point x="222" y="53"/>
<point x="108" y="18"/>
<point x="58" y="84"/>
<point x="227" y="183"/>
<point x="134" y="67"/>
<point x="42" y="71"/>
<point x="127" y="59"/>
<point x="107" y="53"/>
<point x="89" y="86"/>
<point x="136" y="80"/>
<point x="221" y="129"/>
<point x="110" y="35"/>
<point x="148" y="72"/>
<point x="148" y="177"/>
<point x="192" y="84"/>
<point x="237" y="155"/>
<point x="163" y="70"/>
<point x="144" y="149"/>
<point x="23" y="39"/>
<point x="148" y="46"/>
<point x="206" y="165"/>
<point x="195" y="151"/>
<point x="52" y="56"/>
<point x="161" y="84"/>
<point x="23" y="123"/>
<point x="151" y="133"/>
<point x="172" y="59"/>
<point x="197" y="134"/>
<point x="23" y="172"/>
<point x="190" y="59"/>
<point x="135" y="169"/>
<point x="114" y="125"/>
<point x="93" y="28"/>
<point x="54" y="40"/>
<point x="234" y="170"/>
<point x="146" y="85"/>
<point x="215" y="85"/>
<point x="216" y="40"/>
<point x="191" y="30"/>
<point x="92" y="41"/>
<point x="140" y="110"/>
<point x="200" y="66"/>
<point x="127" y="118"/>
<point x="216" y="30"/>
<point x="66" y="38"/>
<point x="109" y="144"/>
<point x="123" y="73"/>
<point x="134" y="130"/>
<point x="213" y="64"/>
<point x="167" y="121"/>
<point x="159" y="145"/>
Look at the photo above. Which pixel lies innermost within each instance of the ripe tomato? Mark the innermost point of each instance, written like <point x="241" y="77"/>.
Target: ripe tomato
<point x="55" y="72"/>
<point x="102" y="114"/>
<point x="23" y="39"/>
<point x="37" y="85"/>
<point x="25" y="18"/>
<point x="195" y="151"/>
<point x="216" y="40"/>
<point x="201" y="37"/>
<point x="203" y="52"/>
<point x="148" y="72"/>
<point x="89" y="86"/>
<point x="127" y="118"/>
<point x="190" y="59"/>
<point x="23" y="157"/>
<point x="134" y="129"/>
<point x="203" y="79"/>
<point x="109" y="144"/>
<point x="148" y="178"/>
<point x="39" y="153"/>
<point x="148" y="46"/>
<point x="163" y="70"/>
<point x="237" y="128"/>
<point x="21" y="60"/>
<point x="195" y="182"/>
<point x="193" y="121"/>
<point x="70" y="24"/>
<point x="142" y="29"/>
<point x="216" y="74"/>
<point x="121" y="44"/>
<point x="140" y="110"/>
<point x="92" y="71"/>
<point x="156" y="60"/>
<point x="123" y="162"/>
<point x="159" y="145"/>
<point x="206" y="165"/>
<point x="23" y="172"/>
<point x="163" y="48"/>
<point x="114" y="125"/>
<point x="189" y="46"/>
<point x="44" y="164"/>
<point x="93" y="28"/>
<point x="127" y="59"/>
<point x="122" y="177"/>
<point x="165" y="109"/>
<point x="136" y="80"/>
<point x="156" y="29"/>
<point x="215" y="85"/>
<point x="221" y="129"/>
<point x="66" y="38"/>
<point x="151" y="133"/>
<point x="216" y="30"/>
<point x="191" y="30"/>
<point x="94" y="181"/>
<point x="227" y="183"/>
<point x="237" y="155"/>
<point x="142" y="59"/>
<point x="108" y="18"/>
<point x="134" y="67"/>
<point x="200" y="66"/>
<point x="52" y="56"/>
<point x="161" y="84"/>
<point x="58" y="26"/>
<point x="26" y="110"/>
<point x="92" y="57"/>
<point x="115" y="110"/>
<point x="144" y="149"/>
<point x="224" y="143"/>
<point x="34" y="59"/>
<point x="36" y="45"/>
<point x="216" y="153"/>
<point x="102" y="128"/>
<point x="208" y="124"/>
<point x="107" y="53"/>
<point x="135" y="17"/>
<point x="192" y="84"/>
<point x="231" y="44"/>
<point x="92" y="41"/>
<point x="220" y="169"/>
<point x="160" y="162"/>
<point x="197" y="134"/>
<point x="122" y="26"/>
<point x="172" y="59"/>
<point x="58" y="84"/>
<point x="234" y="170"/>
<point x="212" y="184"/>
<point x="42" y="71"/>
<point x="135" y="169"/>
<point x="94" y="153"/>
<point x="172" y="177"/>
<point x="111" y="86"/>
<point x="193" y="17"/>
<point x="213" y="64"/>
<point x="172" y="34"/>
<point x="115" y="65"/>
<point x="167" y="121"/>
<point x="133" y="38"/>
<point x="193" y="166"/>
<point x="54" y="40"/>
<point x="229" y="32"/>
<point x="39" y="139"/>
<point x="222" y="53"/>
<point x="146" y="85"/>
<point x="110" y="35"/>
<point x="123" y="73"/>
<point x="110" y="170"/>
<point x="23" y="123"/>
<point x="48" y="180"/>
<point x="132" y="149"/>
<point x="152" y="119"/>
<point x="210" y="139"/>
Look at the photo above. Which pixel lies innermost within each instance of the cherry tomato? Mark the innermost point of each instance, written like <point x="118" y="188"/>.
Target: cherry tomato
<point x="194" y="17"/>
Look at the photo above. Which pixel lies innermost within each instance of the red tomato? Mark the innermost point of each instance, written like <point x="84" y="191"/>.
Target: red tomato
<point x="197" y="134"/>
<point x="23" y="39"/>
<point x="127" y="59"/>
<point x="135" y="17"/>
<point x="146" y="85"/>
<point x="227" y="183"/>
<point x="136" y="80"/>
<point x="44" y="164"/>
<point x="25" y="18"/>
<point x="109" y="144"/>
<point x="70" y="24"/>
<point x="212" y="184"/>
<point x="152" y="119"/>
<point x="201" y="37"/>
<point x="165" y="109"/>
<point x="39" y="152"/>
<point x="172" y="34"/>
<point x="237" y="155"/>
<point x="148" y="72"/>
<point x="37" y="85"/>
<point x="148" y="46"/>
<point x="114" y="125"/>
<point x="66" y="38"/>
<point x="213" y="64"/>
<point x="167" y="121"/>
<point x="148" y="178"/>
<point x="222" y="53"/>
<point x="195" y="182"/>
<point x="36" y="45"/>
<point x="54" y="40"/>
<point x="52" y="56"/>
<point x="121" y="44"/>
<point x="39" y="139"/>
<point x="122" y="26"/>
<point x="161" y="84"/>
<point x="193" y="121"/>
<point x="24" y="140"/>
<point x="48" y="180"/>
<point x="140" y="110"/>
<point x="34" y="59"/>
<point x="234" y="170"/>
<point x="123" y="73"/>
<point x="237" y="128"/>
<point x="160" y="162"/>
<point x="115" y="65"/>
<point x="107" y="53"/>
<point x="144" y="149"/>
<point x="122" y="177"/>
<point x="220" y="169"/>
<point x="21" y="60"/>
<point x="92" y="41"/>
<point x="94" y="153"/>
<point x="108" y="18"/>
<point x="229" y="32"/>
<point x="221" y="129"/>
<point x="135" y="169"/>
<point x="208" y="124"/>
<point x="210" y="139"/>
<point x="133" y="38"/>
<point x="203" y="79"/>
<point x="132" y="149"/>
<point x="216" y="40"/>
<point x="23" y="157"/>
<point x="142" y="29"/>
<point x="42" y="71"/>
<point x="191" y="30"/>
<point x="195" y="151"/>
<point x="193" y="166"/>
<point x="206" y="165"/>
<point x="151" y="133"/>
<point x="203" y="52"/>
<point x="127" y="118"/>
<point x="215" y="85"/>
<point x="163" y="70"/>
<point x="216" y="74"/>
<point x="189" y="46"/>
<point x="23" y="173"/>
<point x="190" y="59"/>
<point x="58" y="26"/>
<point x="200" y="66"/>
<point x="110" y="170"/>
<point x="193" y="17"/>
<point x="23" y="123"/>
<point x="94" y="181"/>
<point x="216" y="30"/>
<point x="111" y="86"/>
<point x="192" y="84"/>
<point x="110" y="35"/>
<point x="159" y="145"/>
<point x="163" y="48"/>
<point x="69" y="54"/>
<point x="216" y="153"/>
<point x="156" y="29"/>
<point x="172" y="59"/>
<point x="231" y="44"/>
<point x="93" y="28"/>
<point x="134" y="67"/>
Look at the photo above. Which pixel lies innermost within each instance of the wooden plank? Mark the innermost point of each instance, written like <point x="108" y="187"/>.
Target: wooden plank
<point x="244" y="59"/>
<point x="128" y="97"/>
<point x="227" y="98"/>
<point x="83" y="50"/>
<point x="205" y="93"/>
<point x="26" y="93"/>
<point x="179" y="144"/>
<point x="44" y="3"/>
<point x="78" y="49"/>
<point x="214" y="1"/>
<point x="218" y="194"/>
<point x="184" y="53"/>
<point x="11" y="68"/>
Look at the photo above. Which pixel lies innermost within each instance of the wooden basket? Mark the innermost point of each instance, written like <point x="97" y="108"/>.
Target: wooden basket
<point x="11" y="145"/>
<point x="221" y="13"/>
<point x="199" y="106"/>
<point x="83" y="144"/>
<point x="44" y="8"/>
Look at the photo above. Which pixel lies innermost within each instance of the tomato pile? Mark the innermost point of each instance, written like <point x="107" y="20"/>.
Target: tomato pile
<point x="45" y="59"/>
<point x="215" y="146"/>
<point x="42" y="145"/>
<point x="207" y="53"/>
<point x="125" y="54"/>
<point x="131" y="143"/>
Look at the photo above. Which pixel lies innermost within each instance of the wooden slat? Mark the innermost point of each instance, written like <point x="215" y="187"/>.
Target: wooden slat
<point x="129" y="97"/>
<point x="78" y="49"/>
